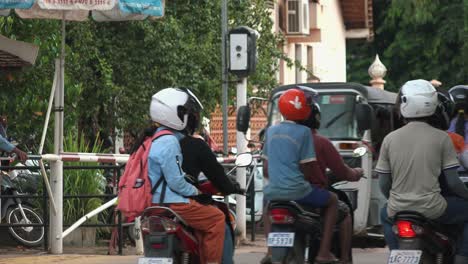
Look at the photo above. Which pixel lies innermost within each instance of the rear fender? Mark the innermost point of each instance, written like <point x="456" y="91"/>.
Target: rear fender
<point x="6" y="203"/>
<point x="278" y="254"/>
<point x="169" y="244"/>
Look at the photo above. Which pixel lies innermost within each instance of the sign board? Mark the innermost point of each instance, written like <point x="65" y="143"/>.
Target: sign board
<point x="144" y="7"/>
<point x="22" y="4"/>
<point x="115" y="15"/>
<point x="37" y="12"/>
<point x="77" y="4"/>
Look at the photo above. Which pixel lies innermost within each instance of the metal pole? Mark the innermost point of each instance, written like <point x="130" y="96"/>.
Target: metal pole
<point x="224" y="73"/>
<point x="252" y="205"/>
<point x="56" y="167"/>
<point x="241" y="172"/>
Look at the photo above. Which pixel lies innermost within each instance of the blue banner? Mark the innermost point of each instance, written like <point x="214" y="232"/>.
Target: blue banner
<point x="144" y="7"/>
<point x="20" y="4"/>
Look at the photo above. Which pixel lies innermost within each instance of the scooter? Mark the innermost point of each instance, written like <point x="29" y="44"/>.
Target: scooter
<point x="16" y="210"/>
<point x="423" y="241"/>
<point x="296" y="229"/>
<point x="167" y="238"/>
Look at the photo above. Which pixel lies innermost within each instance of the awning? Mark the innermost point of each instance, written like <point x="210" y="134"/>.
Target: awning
<point x="16" y="54"/>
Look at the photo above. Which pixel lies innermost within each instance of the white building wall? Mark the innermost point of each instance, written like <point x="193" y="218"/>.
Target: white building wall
<point x="329" y="55"/>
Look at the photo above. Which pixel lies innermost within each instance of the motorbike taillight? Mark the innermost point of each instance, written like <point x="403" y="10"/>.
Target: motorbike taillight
<point x="281" y="216"/>
<point x="406" y="229"/>
<point x="156" y="224"/>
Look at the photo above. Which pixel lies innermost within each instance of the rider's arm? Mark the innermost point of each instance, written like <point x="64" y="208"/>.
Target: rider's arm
<point x="454" y="184"/>
<point x="384" y="170"/>
<point x="307" y="161"/>
<point x="265" y="168"/>
<point x="335" y="163"/>
<point x="5" y="145"/>
<point x="212" y="169"/>
<point x="385" y="183"/>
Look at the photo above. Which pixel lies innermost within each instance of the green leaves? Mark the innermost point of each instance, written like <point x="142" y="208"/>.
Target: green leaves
<point x="415" y="39"/>
<point x="113" y="69"/>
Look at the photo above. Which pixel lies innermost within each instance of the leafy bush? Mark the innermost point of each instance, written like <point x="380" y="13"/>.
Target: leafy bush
<point x="81" y="182"/>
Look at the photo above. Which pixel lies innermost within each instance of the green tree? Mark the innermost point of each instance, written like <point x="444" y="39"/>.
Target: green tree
<point x="112" y="69"/>
<point x="416" y="39"/>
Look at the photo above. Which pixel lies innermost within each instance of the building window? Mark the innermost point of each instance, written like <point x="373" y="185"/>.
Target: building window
<point x="310" y="63"/>
<point x="298" y="58"/>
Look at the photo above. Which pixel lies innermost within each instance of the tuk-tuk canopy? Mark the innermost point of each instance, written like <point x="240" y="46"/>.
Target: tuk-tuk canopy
<point x="373" y="95"/>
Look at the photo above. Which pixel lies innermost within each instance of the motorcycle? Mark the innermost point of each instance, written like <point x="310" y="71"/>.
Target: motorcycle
<point x="421" y="240"/>
<point x="16" y="210"/>
<point x="167" y="238"/>
<point x="296" y="229"/>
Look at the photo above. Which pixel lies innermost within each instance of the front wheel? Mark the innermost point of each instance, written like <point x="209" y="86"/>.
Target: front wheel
<point x="27" y="235"/>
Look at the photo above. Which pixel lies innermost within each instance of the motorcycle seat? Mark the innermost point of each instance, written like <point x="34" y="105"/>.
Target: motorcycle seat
<point x="297" y="208"/>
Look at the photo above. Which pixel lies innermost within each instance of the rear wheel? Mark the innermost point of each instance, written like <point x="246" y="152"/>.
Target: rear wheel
<point x="27" y="235"/>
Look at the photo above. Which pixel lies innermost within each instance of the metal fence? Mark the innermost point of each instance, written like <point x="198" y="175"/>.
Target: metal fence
<point x="44" y="210"/>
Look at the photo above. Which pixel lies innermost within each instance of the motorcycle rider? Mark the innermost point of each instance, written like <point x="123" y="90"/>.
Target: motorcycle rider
<point x="459" y="124"/>
<point x="199" y="157"/>
<point x="288" y="163"/>
<point x="328" y="157"/>
<point x="169" y="109"/>
<point x="410" y="163"/>
<point x="6" y="146"/>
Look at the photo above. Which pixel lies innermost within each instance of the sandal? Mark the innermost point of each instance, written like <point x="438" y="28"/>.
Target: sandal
<point x="331" y="261"/>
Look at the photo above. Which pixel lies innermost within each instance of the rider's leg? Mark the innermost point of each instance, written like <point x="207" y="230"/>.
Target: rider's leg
<point x="228" y="249"/>
<point x="346" y="233"/>
<point x="209" y="222"/>
<point x="329" y="202"/>
<point x="329" y="219"/>
<point x="454" y="215"/>
<point x="387" y="224"/>
<point x="266" y="231"/>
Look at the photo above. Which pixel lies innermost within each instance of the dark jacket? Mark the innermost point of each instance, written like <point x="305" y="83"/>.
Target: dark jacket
<point x="198" y="157"/>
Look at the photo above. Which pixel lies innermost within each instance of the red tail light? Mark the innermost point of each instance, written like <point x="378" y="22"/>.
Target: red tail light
<point x="406" y="229"/>
<point x="281" y="216"/>
<point x="157" y="246"/>
<point x="158" y="224"/>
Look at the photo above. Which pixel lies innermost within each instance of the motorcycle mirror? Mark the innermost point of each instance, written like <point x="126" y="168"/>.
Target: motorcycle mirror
<point x="359" y="152"/>
<point x="234" y="150"/>
<point x="244" y="159"/>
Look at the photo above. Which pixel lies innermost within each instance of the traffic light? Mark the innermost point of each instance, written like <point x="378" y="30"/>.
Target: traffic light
<point x="242" y="51"/>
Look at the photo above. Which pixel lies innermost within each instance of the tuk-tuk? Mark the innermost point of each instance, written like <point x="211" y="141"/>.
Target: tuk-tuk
<point x="352" y="116"/>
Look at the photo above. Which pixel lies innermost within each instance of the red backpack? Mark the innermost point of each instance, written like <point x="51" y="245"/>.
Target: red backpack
<point x="135" y="189"/>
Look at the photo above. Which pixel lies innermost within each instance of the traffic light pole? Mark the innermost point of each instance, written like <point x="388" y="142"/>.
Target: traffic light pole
<point x="241" y="172"/>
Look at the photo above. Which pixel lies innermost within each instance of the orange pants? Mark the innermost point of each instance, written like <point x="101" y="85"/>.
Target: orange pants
<point x="208" y="222"/>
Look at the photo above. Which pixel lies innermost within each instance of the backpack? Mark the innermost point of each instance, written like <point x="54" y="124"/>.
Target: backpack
<point x="135" y="189"/>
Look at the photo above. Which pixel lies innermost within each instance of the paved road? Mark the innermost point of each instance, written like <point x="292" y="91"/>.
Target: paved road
<point x="244" y="255"/>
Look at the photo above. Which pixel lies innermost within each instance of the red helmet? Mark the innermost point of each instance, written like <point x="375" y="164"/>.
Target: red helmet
<point x="294" y="105"/>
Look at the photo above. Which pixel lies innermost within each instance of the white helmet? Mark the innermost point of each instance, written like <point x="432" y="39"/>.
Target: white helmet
<point x="418" y="99"/>
<point x="170" y="107"/>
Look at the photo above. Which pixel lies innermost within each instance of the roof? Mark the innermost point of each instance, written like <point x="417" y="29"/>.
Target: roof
<point x="16" y="54"/>
<point x="357" y="14"/>
<point x="373" y="95"/>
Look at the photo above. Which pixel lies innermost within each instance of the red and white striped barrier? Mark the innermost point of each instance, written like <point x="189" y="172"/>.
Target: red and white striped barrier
<point x="110" y="158"/>
<point x="87" y="157"/>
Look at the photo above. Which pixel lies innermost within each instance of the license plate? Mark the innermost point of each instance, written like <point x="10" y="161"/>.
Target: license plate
<point x="281" y="239"/>
<point x="404" y="257"/>
<point x="155" y="261"/>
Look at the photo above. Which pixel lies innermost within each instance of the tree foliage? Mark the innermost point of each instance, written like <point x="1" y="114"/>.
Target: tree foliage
<point x="112" y="69"/>
<point x="424" y="39"/>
